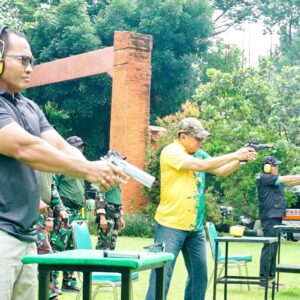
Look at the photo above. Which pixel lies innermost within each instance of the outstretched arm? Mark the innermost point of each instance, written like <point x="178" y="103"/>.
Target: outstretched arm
<point x="290" y="179"/>
<point x="39" y="154"/>
<point x="211" y="165"/>
<point x="227" y="169"/>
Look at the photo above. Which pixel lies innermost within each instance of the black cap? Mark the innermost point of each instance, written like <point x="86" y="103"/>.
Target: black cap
<point x="271" y="160"/>
<point x="2" y="28"/>
<point x="75" y="141"/>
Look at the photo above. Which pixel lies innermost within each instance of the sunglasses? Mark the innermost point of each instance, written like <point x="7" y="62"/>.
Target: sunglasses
<point x="25" y="60"/>
<point x="196" y="138"/>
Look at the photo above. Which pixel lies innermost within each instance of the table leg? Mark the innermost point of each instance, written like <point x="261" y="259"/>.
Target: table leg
<point x="159" y="283"/>
<point x="43" y="283"/>
<point x="125" y="286"/>
<point x="273" y="290"/>
<point x="87" y="288"/>
<point x="278" y="259"/>
<point x="226" y="270"/>
<point x="216" y="271"/>
<point x="268" y="272"/>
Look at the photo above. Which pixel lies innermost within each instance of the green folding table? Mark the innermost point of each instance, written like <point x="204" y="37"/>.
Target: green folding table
<point x="88" y="261"/>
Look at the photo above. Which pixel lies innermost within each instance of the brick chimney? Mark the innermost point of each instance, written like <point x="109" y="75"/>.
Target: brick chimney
<point x="130" y="107"/>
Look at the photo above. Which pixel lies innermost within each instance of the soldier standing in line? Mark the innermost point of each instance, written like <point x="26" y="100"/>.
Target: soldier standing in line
<point x="109" y="217"/>
<point x="49" y="202"/>
<point x="72" y="194"/>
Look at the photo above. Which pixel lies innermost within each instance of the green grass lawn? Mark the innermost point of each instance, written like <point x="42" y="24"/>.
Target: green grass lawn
<point x="290" y="291"/>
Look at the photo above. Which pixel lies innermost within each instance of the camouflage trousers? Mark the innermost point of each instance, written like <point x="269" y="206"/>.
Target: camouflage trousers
<point x="61" y="240"/>
<point x="107" y="238"/>
<point x="43" y="243"/>
<point x="44" y="247"/>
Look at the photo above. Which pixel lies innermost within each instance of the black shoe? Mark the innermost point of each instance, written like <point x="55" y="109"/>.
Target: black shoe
<point x="72" y="288"/>
<point x="262" y="285"/>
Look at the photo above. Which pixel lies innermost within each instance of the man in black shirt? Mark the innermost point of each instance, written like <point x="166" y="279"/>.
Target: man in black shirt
<point x="28" y="142"/>
<point x="272" y="207"/>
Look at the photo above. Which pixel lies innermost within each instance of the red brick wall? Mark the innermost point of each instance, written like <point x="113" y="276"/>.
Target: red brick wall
<point x="130" y="106"/>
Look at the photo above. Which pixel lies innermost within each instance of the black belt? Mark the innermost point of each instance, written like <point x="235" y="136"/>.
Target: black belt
<point x="69" y="203"/>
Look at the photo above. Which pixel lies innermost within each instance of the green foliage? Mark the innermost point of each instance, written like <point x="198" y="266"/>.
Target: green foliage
<point x="223" y="57"/>
<point x="59" y="29"/>
<point x="237" y="108"/>
<point x="9" y="15"/>
<point x="180" y="30"/>
<point x="62" y="30"/>
<point x="138" y="224"/>
<point x="230" y="13"/>
<point x="60" y="118"/>
<point x="245" y="105"/>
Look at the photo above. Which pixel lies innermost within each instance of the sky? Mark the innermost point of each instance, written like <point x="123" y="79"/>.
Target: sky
<point x="252" y="41"/>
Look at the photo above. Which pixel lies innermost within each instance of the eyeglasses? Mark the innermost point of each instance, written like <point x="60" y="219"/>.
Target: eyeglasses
<point x="25" y="60"/>
<point x="196" y="138"/>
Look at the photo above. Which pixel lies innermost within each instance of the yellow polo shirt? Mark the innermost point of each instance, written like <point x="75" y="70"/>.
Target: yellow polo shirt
<point x="179" y="195"/>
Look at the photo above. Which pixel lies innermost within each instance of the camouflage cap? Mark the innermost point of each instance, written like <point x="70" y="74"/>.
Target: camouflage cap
<point x="75" y="141"/>
<point x="193" y="127"/>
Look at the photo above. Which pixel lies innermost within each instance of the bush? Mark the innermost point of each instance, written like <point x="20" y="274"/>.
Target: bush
<point x="138" y="224"/>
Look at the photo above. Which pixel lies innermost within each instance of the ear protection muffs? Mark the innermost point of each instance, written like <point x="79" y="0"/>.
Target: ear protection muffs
<point x="2" y="29"/>
<point x="267" y="168"/>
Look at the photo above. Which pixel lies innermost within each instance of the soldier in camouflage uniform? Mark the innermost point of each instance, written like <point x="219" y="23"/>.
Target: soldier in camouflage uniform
<point x="109" y="217"/>
<point x="44" y="226"/>
<point x="72" y="194"/>
<point x="45" y="223"/>
<point x="60" y="216"/>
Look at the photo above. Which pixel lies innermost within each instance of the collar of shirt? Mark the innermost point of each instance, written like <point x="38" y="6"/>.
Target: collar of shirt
<point x="10" y="97"/>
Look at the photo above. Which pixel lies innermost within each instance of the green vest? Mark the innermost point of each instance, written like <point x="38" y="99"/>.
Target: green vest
<point x="201" y="190"/>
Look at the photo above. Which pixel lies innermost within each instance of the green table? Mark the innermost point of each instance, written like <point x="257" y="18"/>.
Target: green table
<point x="88" y="261"/>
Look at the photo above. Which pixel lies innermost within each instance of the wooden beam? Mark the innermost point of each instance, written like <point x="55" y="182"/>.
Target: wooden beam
<point x="76" y="66"/>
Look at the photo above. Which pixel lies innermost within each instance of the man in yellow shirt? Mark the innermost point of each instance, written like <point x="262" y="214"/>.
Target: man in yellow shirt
<point x="179" y="216"/>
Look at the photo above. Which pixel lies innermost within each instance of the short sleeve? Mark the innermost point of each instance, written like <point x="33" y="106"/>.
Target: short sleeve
<point x="44" y="124"/>
<point x="5" y="117"/>
<point x="268" y="180"/>
<point x="173" y="157"/>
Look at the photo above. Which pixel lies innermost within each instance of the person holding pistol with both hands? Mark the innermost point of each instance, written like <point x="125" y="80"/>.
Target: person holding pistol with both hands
<point x="180" y="213"/>
<point x="30" y="143"/>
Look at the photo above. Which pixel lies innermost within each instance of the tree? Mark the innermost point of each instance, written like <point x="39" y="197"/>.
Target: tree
<point x="237" y="108"/>
<point x="63" y="30"/>
<point x="232" y="13"/>
<point x="251" y="104"/>
<point x="223" y="57"/>
<point x="180" y="31"/>
<point x="9" y="15"/>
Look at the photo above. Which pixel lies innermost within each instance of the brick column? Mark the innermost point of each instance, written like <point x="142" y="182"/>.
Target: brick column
<point x="130" y="106"/>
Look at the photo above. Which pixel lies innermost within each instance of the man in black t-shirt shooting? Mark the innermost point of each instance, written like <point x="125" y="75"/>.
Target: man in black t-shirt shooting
<point x="30" y="143"/>
<point x="272" y="207"/>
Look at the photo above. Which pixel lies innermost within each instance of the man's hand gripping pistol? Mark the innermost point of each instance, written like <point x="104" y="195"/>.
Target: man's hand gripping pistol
<point x="257" y="146"/>
<point x="116" y="159"/>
